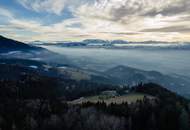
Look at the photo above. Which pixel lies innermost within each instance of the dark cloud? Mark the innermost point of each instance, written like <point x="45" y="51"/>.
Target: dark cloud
<point x="121" y="33"/>
<point x="81" y="35"/>
<point x="180" y="29"/>
<point x="175" y="8"/>
<point x="140" y="8"/>
<point x="126" y="10"/>
<point x="183" y="18"/>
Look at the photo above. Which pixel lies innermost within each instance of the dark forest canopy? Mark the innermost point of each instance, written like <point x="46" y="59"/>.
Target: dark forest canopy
<point x="40" y="103"/>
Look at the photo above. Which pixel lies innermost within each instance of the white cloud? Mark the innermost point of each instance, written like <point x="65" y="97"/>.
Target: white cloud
<point x="5" y="13"/>
<point x="51" y="6"/>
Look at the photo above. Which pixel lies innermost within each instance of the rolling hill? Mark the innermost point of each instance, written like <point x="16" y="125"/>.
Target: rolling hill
<point x="132" y="76"/>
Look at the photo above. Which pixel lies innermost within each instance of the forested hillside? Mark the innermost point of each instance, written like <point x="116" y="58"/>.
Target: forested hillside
<point x="36" y="102"/>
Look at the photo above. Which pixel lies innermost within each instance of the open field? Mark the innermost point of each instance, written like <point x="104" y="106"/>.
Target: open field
<point x="130" y="98"/>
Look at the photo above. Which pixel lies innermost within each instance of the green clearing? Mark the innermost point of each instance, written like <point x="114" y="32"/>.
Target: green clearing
<point x="130" y="98"/>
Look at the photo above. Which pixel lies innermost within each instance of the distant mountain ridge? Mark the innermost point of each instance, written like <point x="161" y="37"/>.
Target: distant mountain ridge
<point x="117" y="44"/>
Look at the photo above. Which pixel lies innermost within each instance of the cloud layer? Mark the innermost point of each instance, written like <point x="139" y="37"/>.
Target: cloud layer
<point x="135" y="20"/>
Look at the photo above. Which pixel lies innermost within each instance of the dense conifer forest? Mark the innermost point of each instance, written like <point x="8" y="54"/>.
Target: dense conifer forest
<point x="40" y="103"/>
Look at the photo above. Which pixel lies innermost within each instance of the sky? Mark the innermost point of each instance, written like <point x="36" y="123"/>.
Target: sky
<point x="63" y="20"/>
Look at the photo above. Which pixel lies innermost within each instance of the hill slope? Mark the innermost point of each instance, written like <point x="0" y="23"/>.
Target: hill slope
<point x="14" y="49"/>
<point x="133" y="76"/>
<point x="7" y="45"/>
